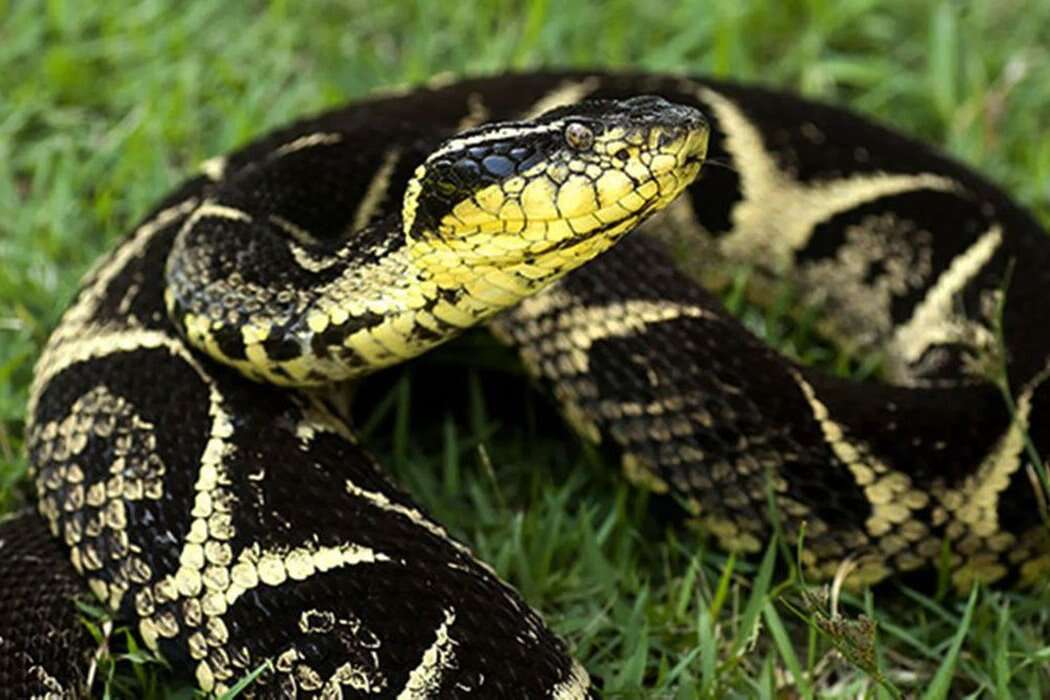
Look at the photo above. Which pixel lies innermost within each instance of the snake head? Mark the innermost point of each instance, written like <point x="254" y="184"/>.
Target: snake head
<point x="538" y="198"/>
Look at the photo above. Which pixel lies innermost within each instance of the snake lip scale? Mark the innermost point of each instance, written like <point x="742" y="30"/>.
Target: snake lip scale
<point x="197" y="475"/>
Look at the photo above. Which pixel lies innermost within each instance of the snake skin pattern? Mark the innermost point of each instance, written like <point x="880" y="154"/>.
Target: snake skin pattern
<point x="233" y="523"/>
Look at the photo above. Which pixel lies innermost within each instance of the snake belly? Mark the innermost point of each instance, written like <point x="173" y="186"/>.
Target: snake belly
<point x="234" y="523"/>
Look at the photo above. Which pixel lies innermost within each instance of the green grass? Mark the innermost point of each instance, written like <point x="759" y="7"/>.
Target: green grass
<point x="104" y="106"/>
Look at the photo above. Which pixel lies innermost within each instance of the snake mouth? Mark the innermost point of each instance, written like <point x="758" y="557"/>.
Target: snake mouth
<point x="696" y="159"/>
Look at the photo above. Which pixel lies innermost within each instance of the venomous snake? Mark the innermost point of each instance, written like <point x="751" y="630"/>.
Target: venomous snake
<point x="234" y="522"/>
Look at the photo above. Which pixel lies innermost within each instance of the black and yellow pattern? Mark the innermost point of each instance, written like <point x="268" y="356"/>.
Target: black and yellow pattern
<point x="236" y="522"/>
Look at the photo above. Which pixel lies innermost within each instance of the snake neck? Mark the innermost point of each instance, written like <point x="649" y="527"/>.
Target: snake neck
<point x="418" y="293"/>
<point x="328" y="314"/>
<point x="393" y="304"/>
<point x="322" y="314"/>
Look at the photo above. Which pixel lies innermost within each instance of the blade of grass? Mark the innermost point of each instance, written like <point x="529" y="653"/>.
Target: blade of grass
<point x="942" y="680"/>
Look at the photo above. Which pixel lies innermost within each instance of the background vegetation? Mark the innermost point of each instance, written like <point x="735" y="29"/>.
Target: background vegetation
<point x="106" y="105"/>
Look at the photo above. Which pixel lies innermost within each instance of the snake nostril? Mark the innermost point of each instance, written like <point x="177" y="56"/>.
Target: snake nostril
<point x="623" y="155"/>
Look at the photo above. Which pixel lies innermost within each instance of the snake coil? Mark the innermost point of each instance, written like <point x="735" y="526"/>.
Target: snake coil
<point x="192" y="478"/>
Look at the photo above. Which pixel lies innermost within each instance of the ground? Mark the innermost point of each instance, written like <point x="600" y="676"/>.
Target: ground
<point x="105" y="106"/>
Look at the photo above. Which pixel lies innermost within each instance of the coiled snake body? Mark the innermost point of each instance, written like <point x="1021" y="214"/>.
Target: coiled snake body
<point x="235" y="522"/>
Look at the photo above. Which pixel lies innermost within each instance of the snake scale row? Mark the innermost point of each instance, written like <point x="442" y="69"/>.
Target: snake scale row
<point x="196" y="475"/>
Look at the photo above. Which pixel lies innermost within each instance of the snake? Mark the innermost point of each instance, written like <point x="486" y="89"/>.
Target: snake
<point x="198" y="476"/>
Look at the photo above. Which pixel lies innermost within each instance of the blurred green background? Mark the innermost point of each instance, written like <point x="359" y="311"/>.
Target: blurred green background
<point x="106" y="105"/>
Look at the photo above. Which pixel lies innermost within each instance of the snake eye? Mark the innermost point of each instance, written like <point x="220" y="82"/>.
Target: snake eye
<point x="579" y="136"/>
